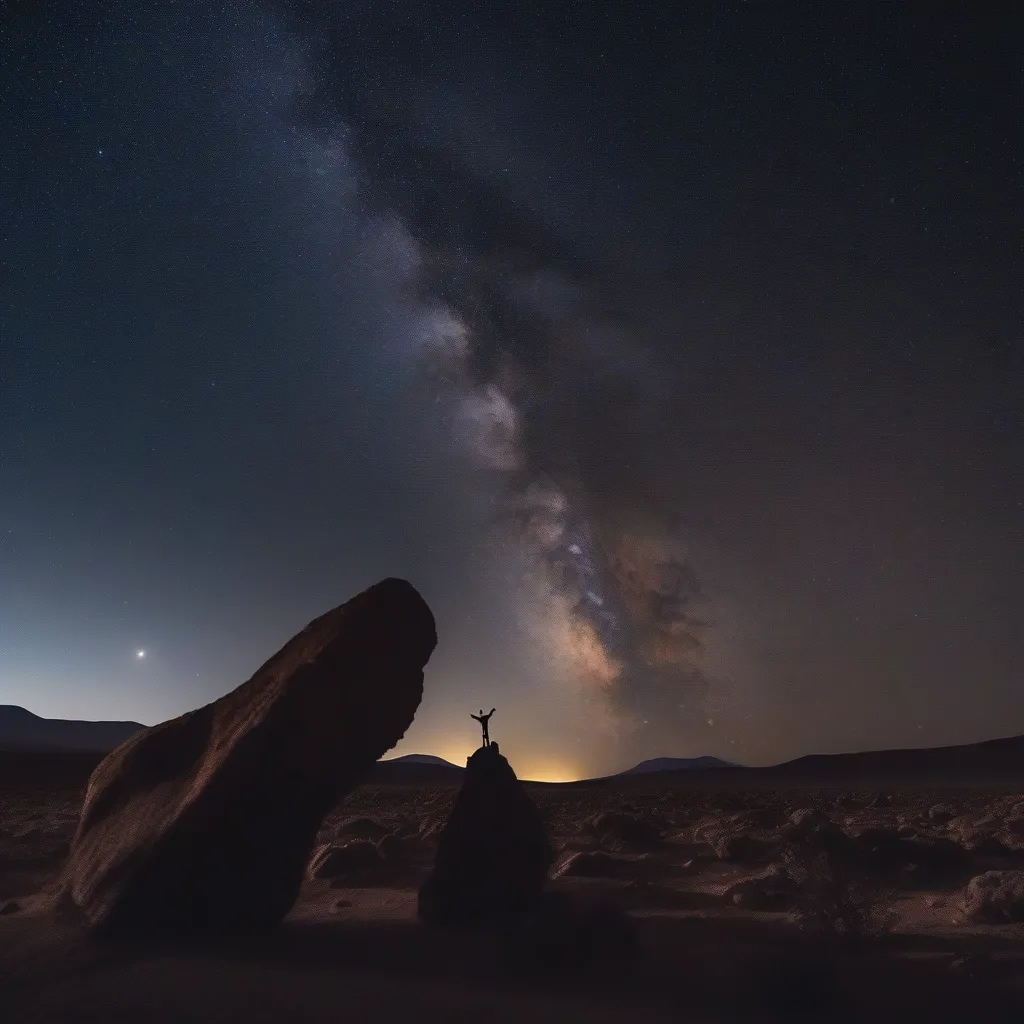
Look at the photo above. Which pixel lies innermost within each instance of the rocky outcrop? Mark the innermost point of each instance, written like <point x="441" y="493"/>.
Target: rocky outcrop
<point x="493" y="853"/>
<point x="208" y="821"/>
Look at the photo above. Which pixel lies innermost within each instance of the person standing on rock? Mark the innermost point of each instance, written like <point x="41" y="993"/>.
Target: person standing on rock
<point x="483" y="720"/>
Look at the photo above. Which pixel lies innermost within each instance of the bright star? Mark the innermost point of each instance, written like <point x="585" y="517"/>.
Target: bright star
<point x="140" y="654"/>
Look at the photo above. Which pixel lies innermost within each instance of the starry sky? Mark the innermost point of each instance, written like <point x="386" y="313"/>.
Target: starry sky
<point x="675" y="359"/>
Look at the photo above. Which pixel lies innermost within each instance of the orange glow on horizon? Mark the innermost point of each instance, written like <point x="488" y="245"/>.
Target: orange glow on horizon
<point x="549" y="771"/>
<point x="530" y="769"/>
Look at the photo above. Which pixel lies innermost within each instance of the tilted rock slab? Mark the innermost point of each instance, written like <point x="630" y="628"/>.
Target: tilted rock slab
<point x="493" y="854"/>
<point x="207" y="822"/>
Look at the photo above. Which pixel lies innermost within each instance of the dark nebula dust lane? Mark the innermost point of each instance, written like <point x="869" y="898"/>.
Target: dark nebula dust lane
<point x="675" y="359"/>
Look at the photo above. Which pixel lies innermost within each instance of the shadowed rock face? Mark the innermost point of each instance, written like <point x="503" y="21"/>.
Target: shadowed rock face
<point x="493" y="854"/>
<point x="207" y="821"/>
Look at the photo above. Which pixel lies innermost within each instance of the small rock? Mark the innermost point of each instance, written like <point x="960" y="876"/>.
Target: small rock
<point x="402" y="847"/>
<point x="996" y="897"/>
<point x="874" y="836"/>
<point x="629" y="828"/>
<point x="972" y="965"/>
<point x="772" y="891"/>
<point x="941" y="813"/>
<point x="331" y="861"/>
<point x="987" y="846"/>
<point x="597" y="864"/>
<point x="808" y="819"/>
<point x="1015" y="825"/>
<point x="740" y="847"/>
<point x="811" y="827"/>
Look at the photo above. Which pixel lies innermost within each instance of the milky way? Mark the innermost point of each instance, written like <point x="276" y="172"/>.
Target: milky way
<point x="676" y="361"/>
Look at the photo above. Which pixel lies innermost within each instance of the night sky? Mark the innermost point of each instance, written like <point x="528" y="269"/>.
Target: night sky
<point x="677" y="362"/>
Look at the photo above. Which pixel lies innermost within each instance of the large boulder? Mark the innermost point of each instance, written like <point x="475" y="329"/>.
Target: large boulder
<point x="493" y="853"/>
<point x="208" y="821"/>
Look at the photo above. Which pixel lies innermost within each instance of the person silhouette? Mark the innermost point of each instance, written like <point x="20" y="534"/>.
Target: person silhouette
<point x="483" y="720"/>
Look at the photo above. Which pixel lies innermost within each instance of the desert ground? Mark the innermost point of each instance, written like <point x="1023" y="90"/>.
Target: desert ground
<point x="715" y="905"/>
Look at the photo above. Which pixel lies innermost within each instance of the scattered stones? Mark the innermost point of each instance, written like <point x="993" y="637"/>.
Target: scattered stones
<point x="493" y="854"/>
<point x="208" y="821"/>
<point x="996" y="897"/>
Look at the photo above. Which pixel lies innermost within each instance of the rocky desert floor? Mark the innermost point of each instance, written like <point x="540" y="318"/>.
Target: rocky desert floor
<point x="698" y="905"/>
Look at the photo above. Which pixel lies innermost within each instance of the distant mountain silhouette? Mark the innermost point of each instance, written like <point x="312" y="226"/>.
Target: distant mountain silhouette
<point x="22" y="730"/>
<point x="62" y="748"/>
<point x="673" y="764"/>
<point x="990" y="762"/>
<point x="420" y="759"/>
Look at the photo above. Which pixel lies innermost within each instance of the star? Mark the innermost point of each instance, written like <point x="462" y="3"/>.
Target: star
<point x="140" y="654"/>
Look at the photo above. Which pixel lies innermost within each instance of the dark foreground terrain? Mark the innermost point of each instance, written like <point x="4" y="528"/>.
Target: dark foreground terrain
<point x="780" y="902"/>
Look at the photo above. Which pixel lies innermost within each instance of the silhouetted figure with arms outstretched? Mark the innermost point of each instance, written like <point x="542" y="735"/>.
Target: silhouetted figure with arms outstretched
<point x="483" y="720"/>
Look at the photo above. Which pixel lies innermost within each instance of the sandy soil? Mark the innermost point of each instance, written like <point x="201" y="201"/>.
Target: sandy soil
<point x="353" y="949"/>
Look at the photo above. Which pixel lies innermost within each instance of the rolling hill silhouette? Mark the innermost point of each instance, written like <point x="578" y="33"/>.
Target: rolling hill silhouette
<point x="22" y="730"/>
<point x="671" y="764"/>
<point x="75" y="747"/>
